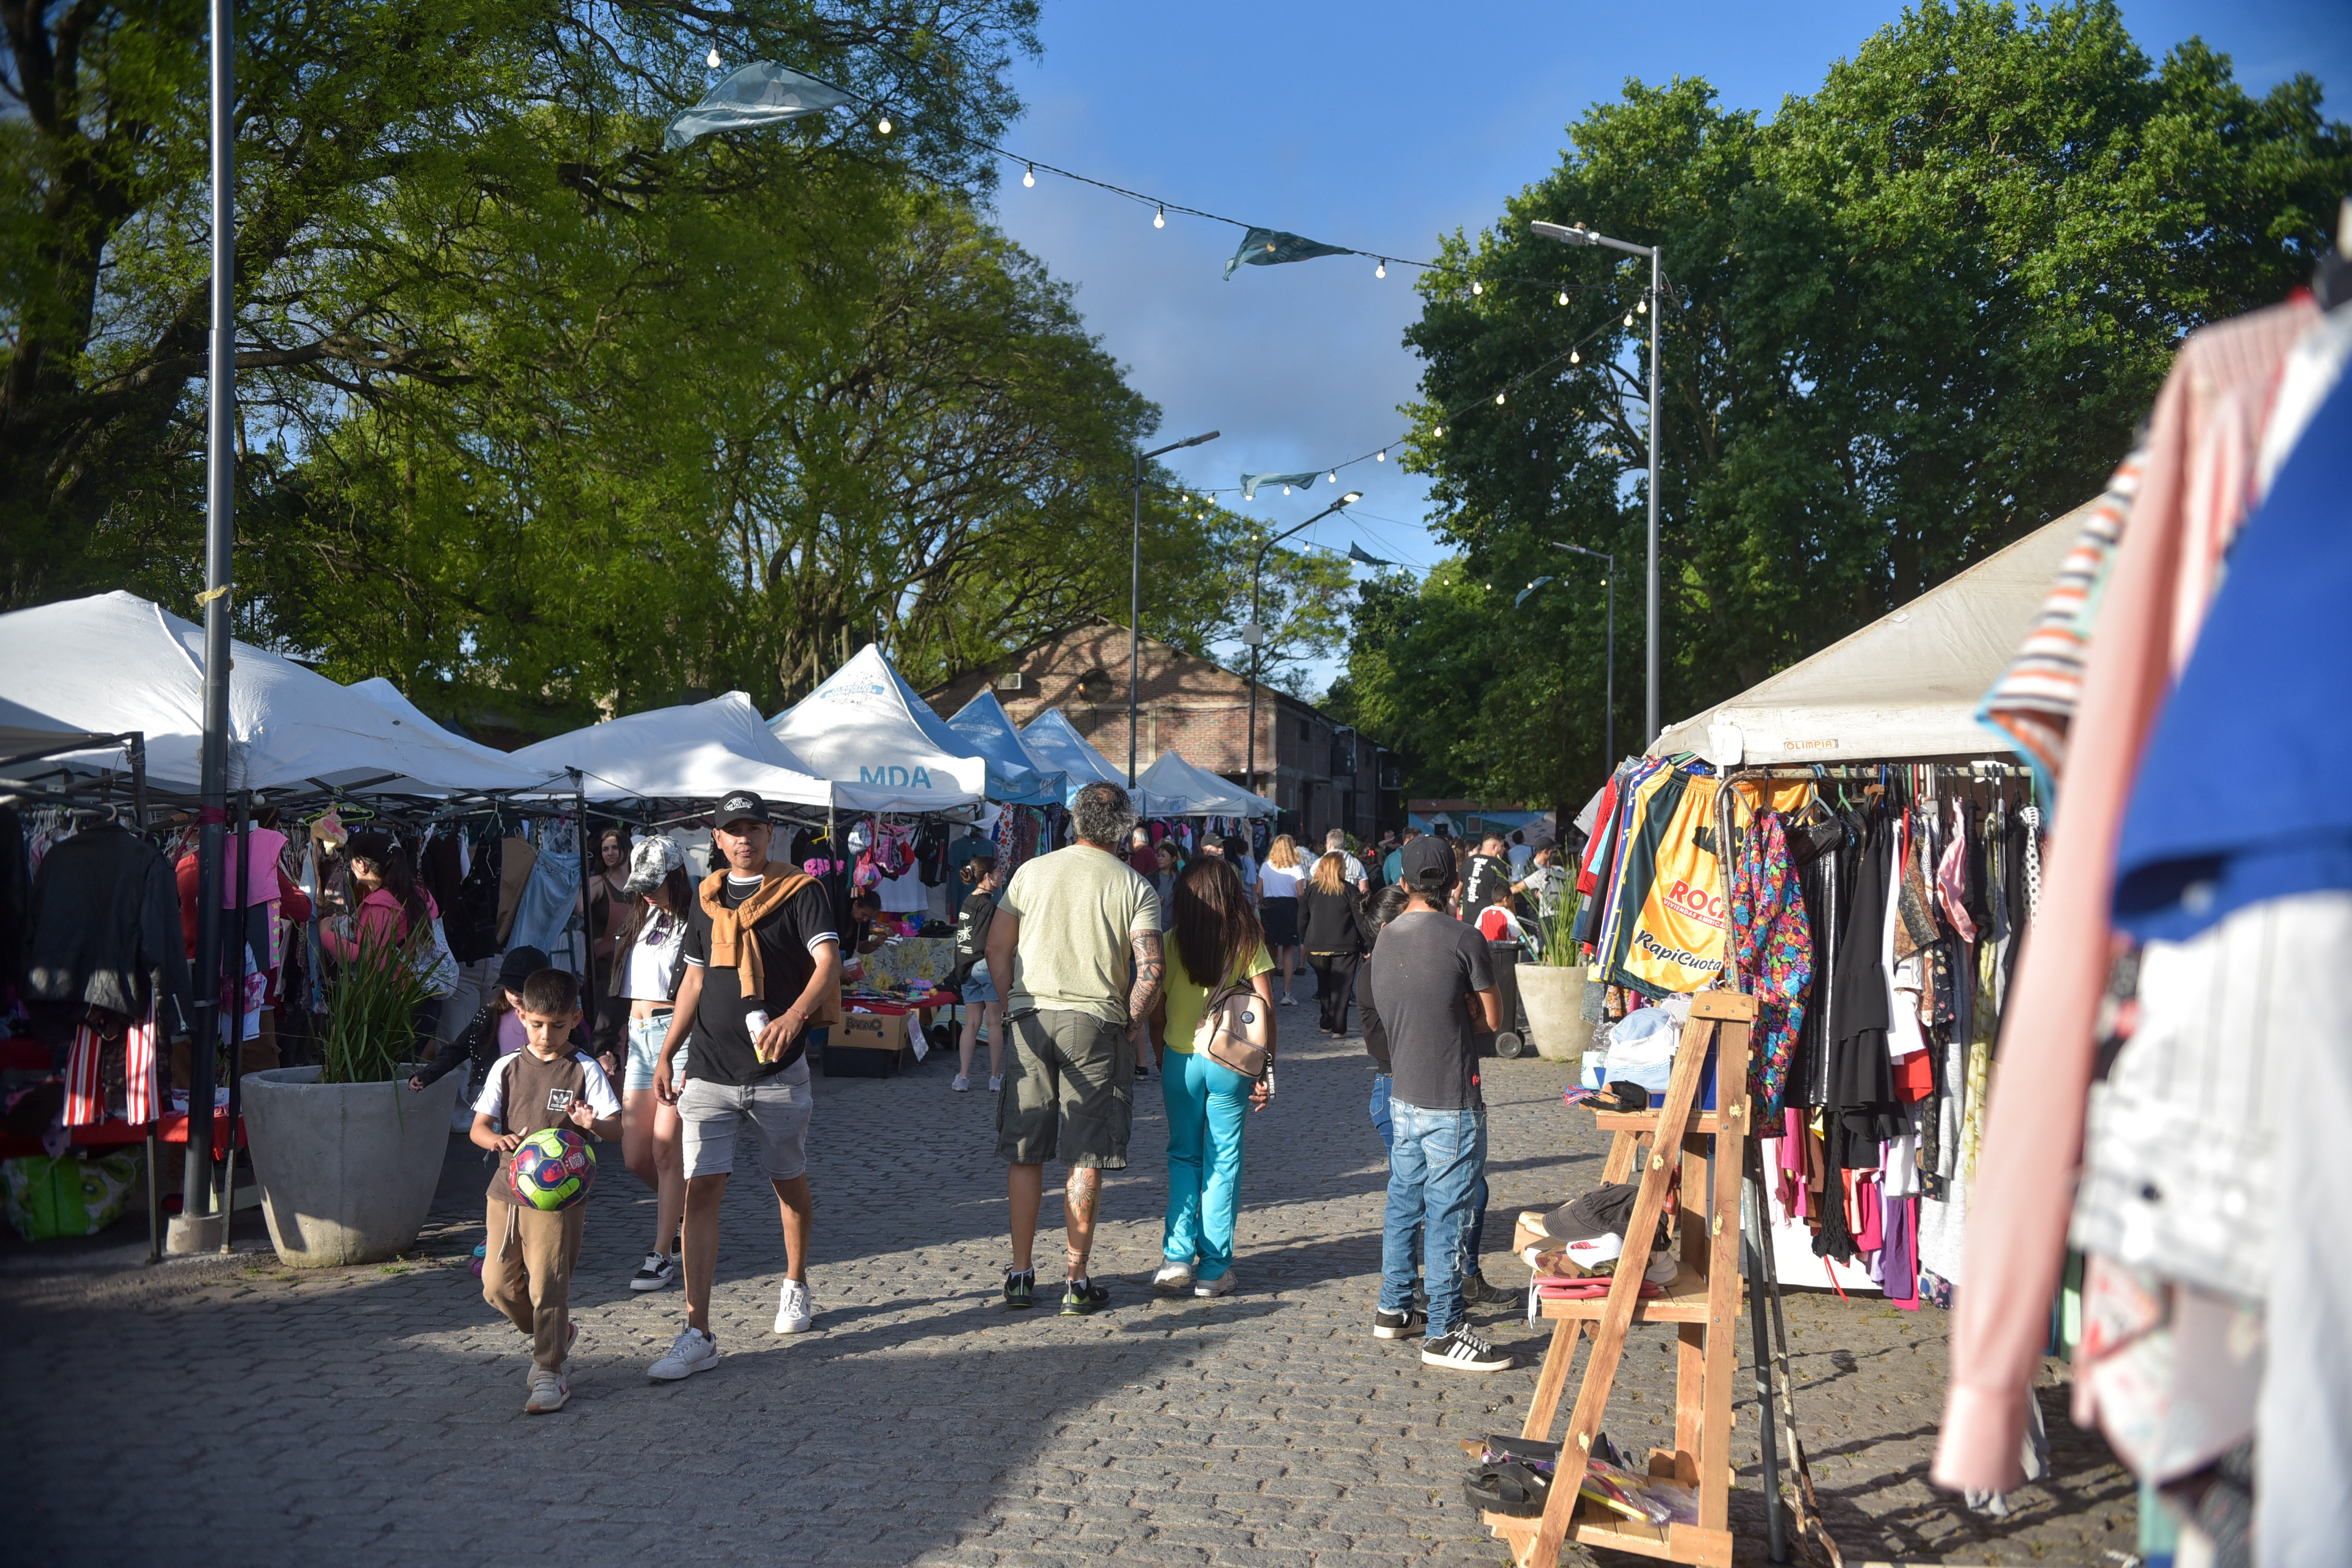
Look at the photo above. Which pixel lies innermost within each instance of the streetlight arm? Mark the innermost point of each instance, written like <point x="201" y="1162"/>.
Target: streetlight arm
<point x="1579" y="235"/>
<point x="1180" y="446"/>
<point x="1340" y="505"/>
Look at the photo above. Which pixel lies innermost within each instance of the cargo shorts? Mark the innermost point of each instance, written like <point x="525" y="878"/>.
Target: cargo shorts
<point x="1069" y="1092"/>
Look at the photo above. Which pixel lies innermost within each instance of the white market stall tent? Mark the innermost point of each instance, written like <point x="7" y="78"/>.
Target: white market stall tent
<point x="1016" y="776"/>
<point x="1174" y="787"/>
<point x="1904" y="688"/>
<point x="115" y="662"/>
<point x="865" y="727"/>
<point x="1056" y="742"/>
<point x="698" y="751"/>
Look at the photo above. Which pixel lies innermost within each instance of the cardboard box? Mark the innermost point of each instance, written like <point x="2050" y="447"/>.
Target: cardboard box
<point x="870" y="1031"/>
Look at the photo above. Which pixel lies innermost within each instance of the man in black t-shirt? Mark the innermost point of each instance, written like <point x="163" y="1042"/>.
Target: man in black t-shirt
<point x="1428" y="971"/>
<point x="761" y="959"/>
<point x="1487" y="880"/>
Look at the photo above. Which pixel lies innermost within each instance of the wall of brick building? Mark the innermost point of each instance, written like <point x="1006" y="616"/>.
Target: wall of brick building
<point x="1189" y="705"/>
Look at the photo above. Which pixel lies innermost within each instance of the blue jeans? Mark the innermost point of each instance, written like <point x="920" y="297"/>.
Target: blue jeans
<point x="1436" y="1170"/>
<point x="1208" y="1107"/>
<point x="1381" y="1124"/>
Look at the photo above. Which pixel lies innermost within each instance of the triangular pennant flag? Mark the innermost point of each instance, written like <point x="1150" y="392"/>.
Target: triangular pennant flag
<point x="1267" y="247"/>
<point x="762" y="93"/>
<point x="1355" y="553"/>
<point x="1250" y="482"/>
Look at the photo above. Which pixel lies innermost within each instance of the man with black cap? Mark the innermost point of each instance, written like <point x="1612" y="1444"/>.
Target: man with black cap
<point x="762" y="958"/>
<point x="1430" y="971"/>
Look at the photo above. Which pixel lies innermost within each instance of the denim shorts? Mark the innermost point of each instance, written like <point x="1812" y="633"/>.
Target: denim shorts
<point x="978" y="987"/>
<point x="646" y="1038"/>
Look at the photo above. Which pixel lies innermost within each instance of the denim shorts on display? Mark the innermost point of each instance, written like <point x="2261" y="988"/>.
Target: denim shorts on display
<point x="1068" y="1091"/>
<point x="978" y="987"/>
<point x="777" y="1109"/>
<point x="646" y="1038"/>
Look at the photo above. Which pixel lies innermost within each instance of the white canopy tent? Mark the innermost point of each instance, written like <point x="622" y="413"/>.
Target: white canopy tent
<point x="864" y="727"/>
<point x="115" y="662"/>
<point x="1174" y="787"/>
<point x="1056" y="742"/>
<point x="699" y="750"/>
<point x="1905" y="687"/>
<point x="1016" y="776"/>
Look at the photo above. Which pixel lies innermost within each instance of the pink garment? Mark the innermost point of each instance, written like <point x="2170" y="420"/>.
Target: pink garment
<point x="261" y="868"/>
<point x="1950" y="877"/>
<point x="2193" y="494"/>
<point x="381" y="919"/>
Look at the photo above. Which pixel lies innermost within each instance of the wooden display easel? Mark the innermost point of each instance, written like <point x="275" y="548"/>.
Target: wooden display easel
<point x="1703" y="1303"/>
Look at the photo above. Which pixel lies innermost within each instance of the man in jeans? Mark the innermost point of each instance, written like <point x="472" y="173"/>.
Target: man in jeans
<point x="761" y="959"/>
<point x="1428" y="971"/>
<point x="1077" y="933"/>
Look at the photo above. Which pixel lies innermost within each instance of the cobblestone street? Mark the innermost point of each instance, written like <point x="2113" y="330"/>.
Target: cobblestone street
<point x="230" y="1410"/>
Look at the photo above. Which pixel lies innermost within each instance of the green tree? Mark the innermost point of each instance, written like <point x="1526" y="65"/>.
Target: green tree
<point x="1915" y="316"/>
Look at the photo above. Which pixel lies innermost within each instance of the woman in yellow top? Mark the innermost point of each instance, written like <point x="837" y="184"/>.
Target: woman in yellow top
<point x="1216" y="940"/>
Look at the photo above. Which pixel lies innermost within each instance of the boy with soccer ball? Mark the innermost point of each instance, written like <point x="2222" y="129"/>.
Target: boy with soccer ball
<point x="527" y="1261"/>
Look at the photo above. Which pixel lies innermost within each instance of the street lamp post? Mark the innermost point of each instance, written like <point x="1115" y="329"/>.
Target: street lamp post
<point x="1135" y="586"/>
<point x="1580" y="235"/>
<point x="1255" y="634"/>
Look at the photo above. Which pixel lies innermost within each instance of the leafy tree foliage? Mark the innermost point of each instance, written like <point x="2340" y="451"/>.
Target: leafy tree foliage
<point x="1914" y="317"/>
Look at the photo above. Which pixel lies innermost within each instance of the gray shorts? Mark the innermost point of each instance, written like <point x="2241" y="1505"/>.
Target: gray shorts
<point x="1069" y="1090"/>
<point x="777" y="1108"/>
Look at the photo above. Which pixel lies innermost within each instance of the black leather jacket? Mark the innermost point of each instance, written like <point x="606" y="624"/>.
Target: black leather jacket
<point x="104" y="932"/>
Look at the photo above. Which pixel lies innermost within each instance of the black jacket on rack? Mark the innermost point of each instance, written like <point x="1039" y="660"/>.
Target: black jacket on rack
<point x="104" y="932"/>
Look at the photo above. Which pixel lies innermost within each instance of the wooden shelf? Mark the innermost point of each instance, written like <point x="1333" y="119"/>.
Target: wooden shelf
<point x="1596" y="1526"/>
<point x="1702" y="1123"/>
<point x="1686" y="1300"/>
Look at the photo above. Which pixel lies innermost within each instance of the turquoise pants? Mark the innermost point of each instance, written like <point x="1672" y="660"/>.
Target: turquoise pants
<point x="1207" y="1106"/>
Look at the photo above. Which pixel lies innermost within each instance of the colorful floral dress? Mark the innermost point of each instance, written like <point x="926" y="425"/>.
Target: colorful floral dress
<point x="1773" y="945"/>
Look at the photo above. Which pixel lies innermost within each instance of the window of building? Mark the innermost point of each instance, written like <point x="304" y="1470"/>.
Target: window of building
<point x="1011" y="680"/>
<point x="1302" y="729"/>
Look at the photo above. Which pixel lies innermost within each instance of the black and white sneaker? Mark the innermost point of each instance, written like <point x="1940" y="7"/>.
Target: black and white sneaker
<point x="1464" y="1351"/>
<point x="657" y="1272"/>
<point x="1394" y="1325"/>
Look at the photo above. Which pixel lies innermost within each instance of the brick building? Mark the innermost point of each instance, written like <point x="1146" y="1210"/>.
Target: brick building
<point x="1321" y="773"/>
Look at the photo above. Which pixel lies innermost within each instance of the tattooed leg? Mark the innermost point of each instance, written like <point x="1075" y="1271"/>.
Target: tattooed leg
<point x="1078" y="1197"/>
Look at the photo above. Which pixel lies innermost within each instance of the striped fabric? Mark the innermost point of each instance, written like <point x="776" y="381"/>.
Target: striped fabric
<point x="86" y="1087"/>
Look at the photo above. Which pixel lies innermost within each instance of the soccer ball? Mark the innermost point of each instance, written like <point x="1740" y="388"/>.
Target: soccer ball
<point x="551" y="1169"/>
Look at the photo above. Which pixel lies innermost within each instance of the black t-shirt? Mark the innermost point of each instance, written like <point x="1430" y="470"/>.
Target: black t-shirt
<point x="1485" y="880"/>
<point x="1420" y="967"/>
<point x="720" y="1051"/>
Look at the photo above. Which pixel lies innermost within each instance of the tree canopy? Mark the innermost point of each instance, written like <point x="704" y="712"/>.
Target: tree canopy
<point x="1916" y="315"/>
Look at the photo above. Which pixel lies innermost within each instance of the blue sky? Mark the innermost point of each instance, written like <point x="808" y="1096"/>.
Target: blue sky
<point x="1379" y="125"/>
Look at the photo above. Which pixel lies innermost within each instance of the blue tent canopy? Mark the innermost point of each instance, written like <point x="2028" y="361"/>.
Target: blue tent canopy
<point x="1015" y="776"/>
<point x="1056" y="742"/>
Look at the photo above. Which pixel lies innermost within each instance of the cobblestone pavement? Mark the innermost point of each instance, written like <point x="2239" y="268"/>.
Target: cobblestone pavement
<point x="230" y="1410"/>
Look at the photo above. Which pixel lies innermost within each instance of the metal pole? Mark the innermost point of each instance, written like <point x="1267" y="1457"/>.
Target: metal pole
<point x="589" y="859"/>
<point x="220" y="465"/>
<point x="1650" y="700"/>
<point x="1256" y="648"/>
<point x="237" y="1003"/>
<point x="1134" y="612"/>
<point x="1755" y="1238"/>
<point x="1609" y="680"/>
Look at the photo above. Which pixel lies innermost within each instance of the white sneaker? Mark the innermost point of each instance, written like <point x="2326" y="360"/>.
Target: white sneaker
<point x="1173" y="1277"/>
<point x="1288" y="1001"/>
<point x="996" y="1086"/>
<point x="1464" y="1351"/>
<point x="691" y="1352"/>
<point x="549" y="1390"/>
<point x="795" y="1312"/>
<point x="657" y="1272"/>
<point x="960" y="1084"/>
<point x="1222" y="1285"/>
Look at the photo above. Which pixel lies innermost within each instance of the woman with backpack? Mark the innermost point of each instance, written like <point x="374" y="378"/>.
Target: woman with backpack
<point x="982" y="1000"/>
<point x="1217" y="972"/>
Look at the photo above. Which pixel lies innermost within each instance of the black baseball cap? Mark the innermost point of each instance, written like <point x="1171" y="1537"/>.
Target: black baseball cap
<point x="518" y="966"/>
<point x="740" y="806"/>
<point x="1427" y="865"/>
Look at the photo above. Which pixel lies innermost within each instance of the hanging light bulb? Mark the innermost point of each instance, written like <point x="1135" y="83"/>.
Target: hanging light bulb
<point x="883" y="126"/>
<point x="1575" y="358"/>
<point x="1382" y="456"/>
<point x="1437" y="430"/>
<point x="1333" y="476"/>
<point x="1563" y="296"/>
<point x="1383" y="269"/>
<point x="1643" y="308"/>
<point x="1498" y="400"/>
<point x="1160" y="217"/>
<point x="1285" y="490"/>
<point x="1476" y="287"/>
<point x="1029" y="175"/>
<point x="1629" y="318"/>
<point x="712" y="57"/>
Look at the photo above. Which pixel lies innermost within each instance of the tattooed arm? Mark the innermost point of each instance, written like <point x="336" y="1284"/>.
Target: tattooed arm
<point x="1151" y="972"/>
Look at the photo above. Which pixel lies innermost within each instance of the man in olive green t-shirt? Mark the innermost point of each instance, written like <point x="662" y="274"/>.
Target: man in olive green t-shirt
<point x="1076" y="940"/>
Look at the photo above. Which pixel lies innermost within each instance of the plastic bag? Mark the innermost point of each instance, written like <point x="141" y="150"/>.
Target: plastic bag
<point x="73" y="1194"/>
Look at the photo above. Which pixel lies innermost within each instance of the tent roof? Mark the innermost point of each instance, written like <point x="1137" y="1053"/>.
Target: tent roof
<point x="1056" y="742"/>
<point x="865" y="727"/>
<point x="1905" y="687"/>
<point x="115" y="662"/>
<point x="1174" y="787"/>
<point x="699" y="750"/>
<point x="1016" y="776"/>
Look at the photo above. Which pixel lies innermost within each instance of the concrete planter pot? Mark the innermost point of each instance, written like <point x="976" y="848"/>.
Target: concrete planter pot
<point x="1554" y="1000"/>
<point x="347" y="1169"/>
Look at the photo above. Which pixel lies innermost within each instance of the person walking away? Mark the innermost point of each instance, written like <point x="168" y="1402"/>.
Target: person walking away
<point x="1141" y="853"/>
<point x="528" y="1260"/>
<point x="1392" y="863"/>
<point x="1517" y="853"/>
<point x="761" y="959"/>
<point x="1485" y="878"/>
<point x="1352" y="869"/>
<point x="1333" y="937"/>
<point x="1428" y="971"/>
<point x="1076" y="934"/>
<point x="1278" y="908"/>
<point x="961" y="853"/>
<point x="983" y="1005"/>
<point x="1236" y="850"/>
<point x="1217" y="944"/>
<point x="646" y="974"/>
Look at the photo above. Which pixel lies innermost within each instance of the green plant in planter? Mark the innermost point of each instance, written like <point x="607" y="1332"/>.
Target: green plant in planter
<point x="371" y="1035"/>
<point x="1558" y="947"/>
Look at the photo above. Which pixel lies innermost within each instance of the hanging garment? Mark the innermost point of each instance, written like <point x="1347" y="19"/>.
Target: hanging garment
<point x="85" y="1076"/>
<point x="1665" y="935"/>
<point x="1860" y="1101"/>
<point x="104" y="932"/>
<point x="1817" y="848"/>
<point x="2186" y="506"/>
<point x="544" y="912"/>
<point x="1775" y="953"/>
